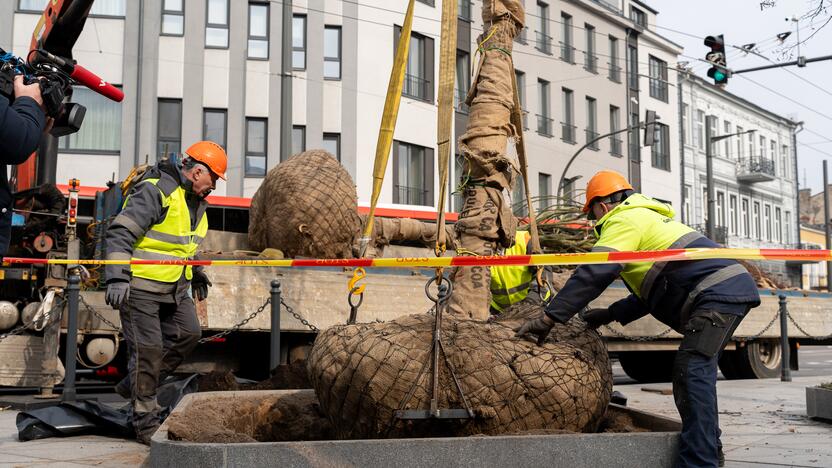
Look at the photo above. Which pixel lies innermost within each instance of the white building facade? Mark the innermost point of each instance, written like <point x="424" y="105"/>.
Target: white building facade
<point x="210" y="69"/>
<point x="755" y="177"/>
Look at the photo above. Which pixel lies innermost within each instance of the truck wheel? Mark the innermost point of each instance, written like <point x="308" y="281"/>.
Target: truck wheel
<point x="648" y="366"/>
<point x="758" y="359"/>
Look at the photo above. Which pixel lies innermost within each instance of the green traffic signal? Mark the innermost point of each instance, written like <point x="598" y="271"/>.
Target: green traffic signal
<point x="719" y="76"/>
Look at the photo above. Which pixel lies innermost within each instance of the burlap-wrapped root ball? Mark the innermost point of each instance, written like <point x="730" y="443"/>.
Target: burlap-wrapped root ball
<point x="361" y="374"/>
<point x="306" y="206"/>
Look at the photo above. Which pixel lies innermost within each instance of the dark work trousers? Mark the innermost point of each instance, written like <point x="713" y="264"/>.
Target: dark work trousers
<point x="694" y="384"/>
<point x="159" y="333"/>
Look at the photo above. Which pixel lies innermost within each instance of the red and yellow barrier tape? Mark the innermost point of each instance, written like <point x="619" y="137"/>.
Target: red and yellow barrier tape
<point x="487" y="260"/>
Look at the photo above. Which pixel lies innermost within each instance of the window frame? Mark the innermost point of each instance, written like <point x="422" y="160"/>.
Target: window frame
<point x="64" y="148"/>
<point x="226" y="26"/>
<point x="18" y="9"/>
<point x="340" y="58"/>
<point x="568" y="108"/>
<point x="265" y="38"/>
<point x="615" y="125"/>
<point x="567" y="44"/>
<point x="337" y="137"/>
<point x="591" y="122"/>
<point x="745" y="214"/>
<point x="541" y="178"/>
<point x="172" y="13"/>
<point x="590" y="49"/>
<point x="660" y="150"/>
<point x="637" y="16"/>
<point x="657" y="69"/>
<point x="158" y="120"/>
<point x="614" y="72"/>
<point x="265" y="153"/>
<point x="302" y="129"/>
<point x="305" y="41"/>
<point x="427" y="171"/>
<point x="215" y="110"/>
<point x="428" y="64"/>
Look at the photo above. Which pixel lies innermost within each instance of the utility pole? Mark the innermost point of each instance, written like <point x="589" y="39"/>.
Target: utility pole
<point x="826" y="221"/>
<point x="286" y="83"/>
<point x="710" y="226"/>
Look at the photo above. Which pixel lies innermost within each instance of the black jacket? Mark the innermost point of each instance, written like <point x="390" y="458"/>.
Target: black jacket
<point x="21" y="128"/>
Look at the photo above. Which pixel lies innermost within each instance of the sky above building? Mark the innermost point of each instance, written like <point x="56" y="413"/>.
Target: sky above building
<point x="802" y="94"/>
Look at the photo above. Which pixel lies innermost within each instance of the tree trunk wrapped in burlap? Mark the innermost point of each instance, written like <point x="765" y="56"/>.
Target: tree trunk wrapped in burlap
<point x="485" y="221"/>
<point x="306" y="206"/>
<point x="362" y="373"/>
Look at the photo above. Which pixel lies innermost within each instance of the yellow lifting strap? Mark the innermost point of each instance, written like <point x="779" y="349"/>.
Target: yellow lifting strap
<point x="517" y="121"/>
<point x="444" y="122"/>
<point x="388" y="122"/>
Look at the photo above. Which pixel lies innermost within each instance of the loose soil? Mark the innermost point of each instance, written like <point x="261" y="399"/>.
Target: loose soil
<point x="285" y="377"/>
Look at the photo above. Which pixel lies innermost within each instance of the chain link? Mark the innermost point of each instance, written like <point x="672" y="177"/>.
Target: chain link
<point x="13" y="331"/>
<point x="796" y="325"/>
<point x="618" y="334"/>
<point x="297" y="316"/>
<point x="97" y="314"/>
<point x="239" y="325"/>
<point x="770" y="323"/>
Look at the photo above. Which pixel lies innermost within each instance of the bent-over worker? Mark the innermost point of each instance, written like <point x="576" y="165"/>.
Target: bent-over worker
<point x="704" y="300"/>
<point x="511" y="284"/>
<point x="163" y="219"/>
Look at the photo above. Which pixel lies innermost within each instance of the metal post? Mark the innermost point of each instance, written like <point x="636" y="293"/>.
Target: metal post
<point x="274" y="350"/>
<point x="709" y="167"/>
<point x="286" y="84"/>
<point x="785" y="372"/>
<point x="73" y="290"/>
<point x="826" y="220"/>
<point x="680" y="79"/>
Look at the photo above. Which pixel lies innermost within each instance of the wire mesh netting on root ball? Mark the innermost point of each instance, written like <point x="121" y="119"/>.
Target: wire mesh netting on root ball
<point x="362" y="374"/>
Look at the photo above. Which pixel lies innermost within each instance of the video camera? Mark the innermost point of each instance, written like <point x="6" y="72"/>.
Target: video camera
<point x="55" y="88"/>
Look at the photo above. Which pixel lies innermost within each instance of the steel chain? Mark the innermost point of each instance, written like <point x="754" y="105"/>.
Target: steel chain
<point x="13" y="331"/>
<point x="809" y="335"/>
<point x="236" y="327"/>
<point x="97" y="314"/>
<point x="618" y="334"/>
<point x="297" y="316"/>
<point x="760" y="333"/>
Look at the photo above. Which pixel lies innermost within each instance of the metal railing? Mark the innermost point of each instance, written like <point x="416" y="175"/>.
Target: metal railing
<point x="615" y="146"/>
<point x="459" y="101"/>
<point x="415" y="87"/>
<point x="590" y="62"/>
<point x="543" y="42"/>
<point x="756" y="165"/>
<point x="568" y="131"/>
<point x="658" y="89"/>
<point x="544" y="125"/>
<point x="590" y="136"/>
<point x="464" y="10"/>
<point x="567" y="52"/>
<point x="411" y="195"/>
<point x="610" y="5"/>
<point x="720" y="235"/>
<point x="614" y="72"/>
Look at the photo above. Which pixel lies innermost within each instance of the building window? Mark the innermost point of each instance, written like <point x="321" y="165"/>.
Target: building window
<point x="632" y="59"/>
<point x="101" y="131"/>
<point x="215" y="125"/>
<point x="638" y="17"/>
<point x="464" y="10"/>
<point x="685" y="123"/>
<point x="332" y="144"/>
<point x="543" y="41"/>
<point x="778" y="225"/>
<point x="615" y="68"/>
<point x="704" y="203"/>
<point x="615" y="140"/>
<point x="412" y="174"/>
<point x="299" y="42"/>
<point x="332" y="52"/>
<point x="686" y="205"/>
<point x="544" y="122"/>
<point x="746" y="219"/>
<point x="660" y="151"/>
<point x="727" y="127"/>
<point x="740" y="146"/>
<point x="568" y="124"/>
<point x="658" y="78"/>
<point x="544" y="191"/>
<point x="590" y="59"/>
<point x="567" y="50"/>
<point x="773" y="153"/>
<point x="720" y="209"/>
<point x="591" y="131"/>
<point x="256" y="141"/>
<point x="99" y="7"/>
<point x="258" y="30"/>
<point x="699" y="130"/>
<point x="169" y="130"/>
<point x="784" y="161"/>
<point x="426" y="2"/>
<point x="521" y="94"/>
<point x="732" y="215"/>
<point x="751" y="154"/>
<point x="216" y="26"/>
<point x="763" y="148"/>
<point x="714" y="123"/>
<point x="463" y="80"/>
<point x="767" y="220"/>
<point x="173" y="17"/>
<point x="758" y="232"/>
<point x="787" y="235"/>
<point x="298" y="139"/>
<point x="418" y="79"/>
<point x="459" y="174"/>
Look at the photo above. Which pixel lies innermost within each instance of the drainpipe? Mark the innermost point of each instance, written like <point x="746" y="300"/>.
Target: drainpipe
<point x="139" y="60"/>
<point x="795" y="130"/>
<point x="680" y="80"/>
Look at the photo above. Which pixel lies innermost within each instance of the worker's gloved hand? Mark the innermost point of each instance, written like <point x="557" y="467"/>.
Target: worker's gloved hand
<point x="117" y="293"/>
<point x="199" y="285"/>
<point x="540" y="326"/>
<point x="594" y="318"/>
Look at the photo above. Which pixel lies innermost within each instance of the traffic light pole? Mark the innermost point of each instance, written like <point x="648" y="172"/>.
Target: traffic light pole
<point x="710" y="226"/>
<point x="800" y="62"/>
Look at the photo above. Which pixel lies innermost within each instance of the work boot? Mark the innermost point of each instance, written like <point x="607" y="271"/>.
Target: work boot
<point x="720" y="455"/>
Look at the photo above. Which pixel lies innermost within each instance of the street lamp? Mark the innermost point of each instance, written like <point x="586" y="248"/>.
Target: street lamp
<point x="710" y="225"/>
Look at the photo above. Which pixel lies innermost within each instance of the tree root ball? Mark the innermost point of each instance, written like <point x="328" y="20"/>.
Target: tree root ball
<point x="362" y="374"/>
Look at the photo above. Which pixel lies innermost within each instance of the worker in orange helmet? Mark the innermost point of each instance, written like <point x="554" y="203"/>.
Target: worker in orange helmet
<point x="704" y="300"/>
<point x="163" y="218"/>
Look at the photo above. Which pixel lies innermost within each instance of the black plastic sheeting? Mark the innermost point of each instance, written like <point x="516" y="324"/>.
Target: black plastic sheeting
<point x="91" y="417"/>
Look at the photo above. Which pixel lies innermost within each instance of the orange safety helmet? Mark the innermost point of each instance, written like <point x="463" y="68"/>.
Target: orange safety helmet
<point x="604" y="184"/>
<point x="210" y="154"/>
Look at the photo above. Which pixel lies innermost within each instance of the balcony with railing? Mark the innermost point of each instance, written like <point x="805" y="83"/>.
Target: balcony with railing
<point x="568" y="131"/>
<point x="543" y="42"/>
<point x="611" y="5"/>
<point x="544" y="125"/>
<point x="614" y="72"/>
<point x="411" y="195"/>
<point x="720" y="235"/>
<point x="415" y="87"/>
<point x="590" y="62"/>
<point x="567" y="52"/>
<point x="464" y="10"/>
<point x="616" y="145"/>
<point x="590" y="136"/>
<point x="756" y="169"/>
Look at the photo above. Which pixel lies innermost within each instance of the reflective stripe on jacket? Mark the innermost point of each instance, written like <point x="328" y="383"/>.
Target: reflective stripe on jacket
<point x="511" y="284"/>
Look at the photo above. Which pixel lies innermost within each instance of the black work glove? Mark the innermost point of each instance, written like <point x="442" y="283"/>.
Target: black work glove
<point x="540" y="326"/>
<point x="199" y="285"/>
<point x="594" y="318"/>
<point x="117" y="294"/>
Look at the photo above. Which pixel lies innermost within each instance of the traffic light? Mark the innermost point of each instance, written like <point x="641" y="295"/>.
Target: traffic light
<point x="650" y="128"/>
<point x="719" y="71"/>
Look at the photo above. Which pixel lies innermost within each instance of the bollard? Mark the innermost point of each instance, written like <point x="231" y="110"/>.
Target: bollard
<point x="274" y="351"/>
<point x="73" y="290"/>
<point x="785" y="371"/>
